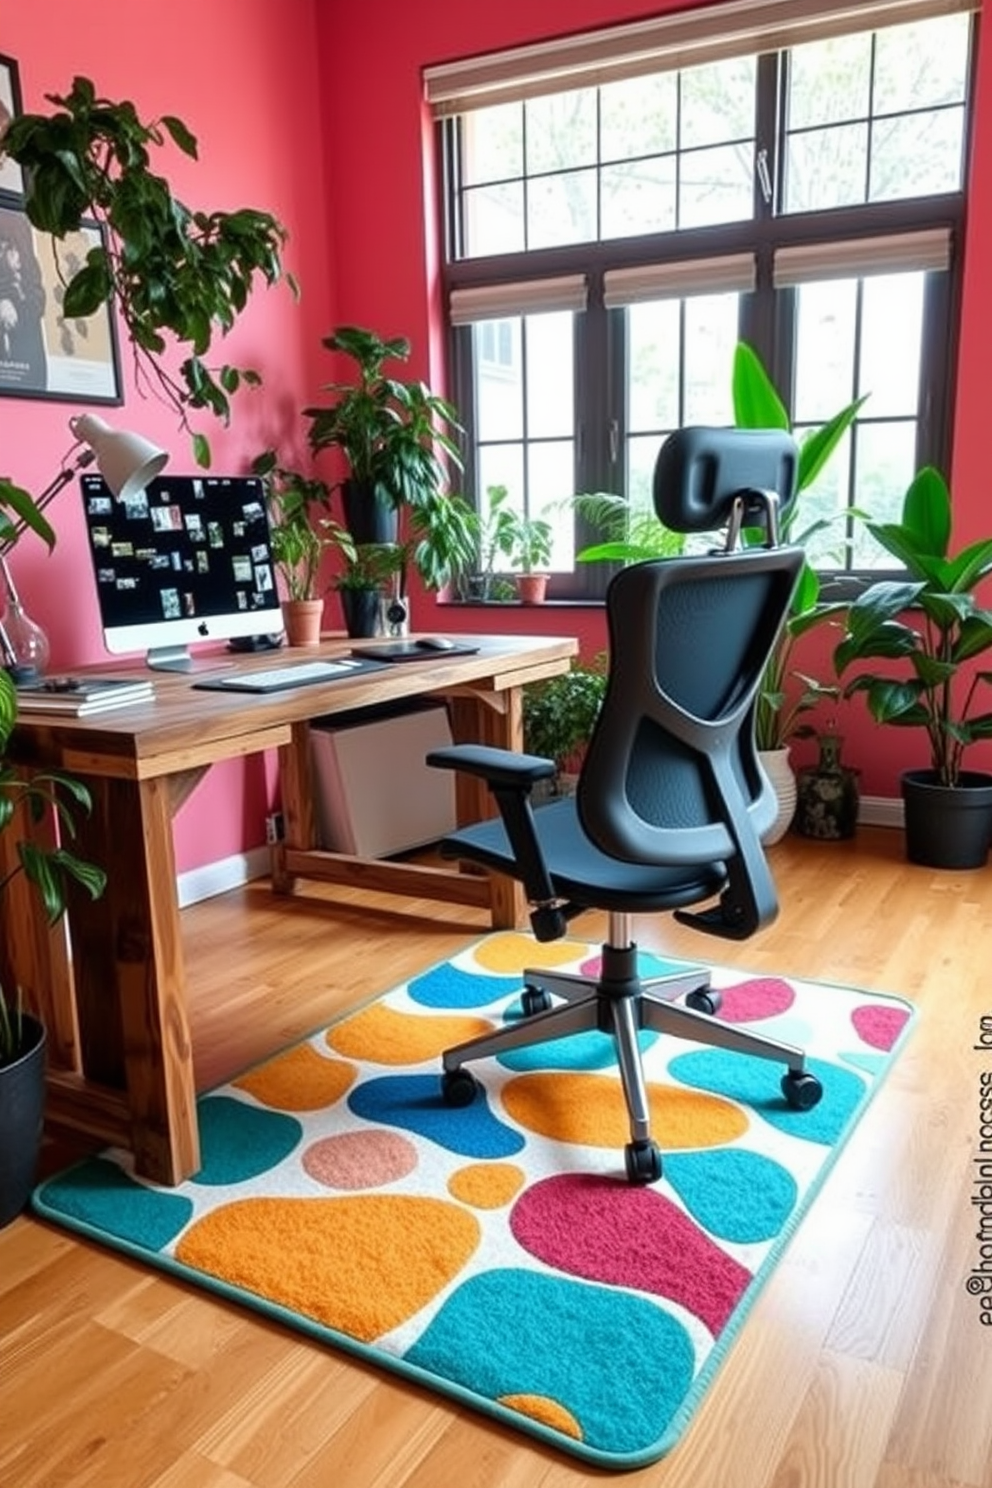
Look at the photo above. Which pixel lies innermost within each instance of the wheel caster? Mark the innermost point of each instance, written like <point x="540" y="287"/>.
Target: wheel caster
<point x="704" y="1000"/>
<point x="535" y="1000"/>
<point x="802" y="1091"/>
<point x="643" y="1162"/>
<point x="459" y="1087"/>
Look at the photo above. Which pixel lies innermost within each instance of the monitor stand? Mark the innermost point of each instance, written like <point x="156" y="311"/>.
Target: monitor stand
<point x="178" y="659"/>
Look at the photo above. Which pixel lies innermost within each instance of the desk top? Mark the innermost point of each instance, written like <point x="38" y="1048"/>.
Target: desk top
<point x="185" y="727"/>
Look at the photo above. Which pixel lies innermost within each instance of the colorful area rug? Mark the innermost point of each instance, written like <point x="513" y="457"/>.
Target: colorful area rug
<point x="496" y="1253"/>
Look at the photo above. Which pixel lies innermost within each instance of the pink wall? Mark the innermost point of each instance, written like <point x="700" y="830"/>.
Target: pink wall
<point x="243" y="75"/>
<point x="272" y="91"/>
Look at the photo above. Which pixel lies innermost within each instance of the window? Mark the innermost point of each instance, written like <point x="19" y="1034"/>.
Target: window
<point x="611" y="237"/>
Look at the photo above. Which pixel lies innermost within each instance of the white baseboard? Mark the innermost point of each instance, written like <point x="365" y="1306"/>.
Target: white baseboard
<point x="880" y="811"/>
<point x="217" y="878"/>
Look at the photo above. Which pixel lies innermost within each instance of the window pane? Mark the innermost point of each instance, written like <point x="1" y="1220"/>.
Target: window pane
<point x="641" y="456"/>
<point x="891" y="334"/>
<point x="638" y="198"/>
<point x="494" y="219"/>
<point x="711" y="333"/>
<point x="919" y="155"/>
<point x="826" y="168"/>
<point x="826" y="325"/>
<point x="492" y="143"/>
<point x="499" y="381"/>
<point x="638" y="117"/>
<point x="561" y="209"/>
<point x="886" y="461"/>
<point x="550" y="377"/>
<point x="921" y="65"/>
<point x="551" y="479"/>
<point x="503" y="465"/>
<point x="561" y="131"/>
<point x="718" y="103"/>
<point x="829" y="81"/>
<point x="653" y="365"/>
<point x="716" y="186"/>
<point x="826" y="500"/>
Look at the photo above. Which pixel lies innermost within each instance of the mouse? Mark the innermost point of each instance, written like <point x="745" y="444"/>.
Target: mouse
<point x="436" y="643"/>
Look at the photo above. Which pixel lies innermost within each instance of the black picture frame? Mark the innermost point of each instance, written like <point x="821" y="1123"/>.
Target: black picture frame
<point x="11" y="177"/>
<point x="42" y="354"/>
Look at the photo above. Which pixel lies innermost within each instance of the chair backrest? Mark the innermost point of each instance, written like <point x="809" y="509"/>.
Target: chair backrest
<point x="671" y="774"/>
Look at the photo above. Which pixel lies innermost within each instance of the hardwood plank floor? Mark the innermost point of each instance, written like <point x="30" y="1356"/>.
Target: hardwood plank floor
<point x="863" y="1365"/>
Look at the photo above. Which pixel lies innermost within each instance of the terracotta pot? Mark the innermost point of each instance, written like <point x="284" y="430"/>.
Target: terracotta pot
<point x="301" y="619"/>
<point x="532" y="588"/>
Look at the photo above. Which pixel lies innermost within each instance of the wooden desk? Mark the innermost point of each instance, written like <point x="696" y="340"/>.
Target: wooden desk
<point x="120" y="1059"/>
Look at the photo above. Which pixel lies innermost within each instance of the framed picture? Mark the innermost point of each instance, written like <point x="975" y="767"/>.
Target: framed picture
<point x="11" y="178"/>
<point x="43" y="353"/>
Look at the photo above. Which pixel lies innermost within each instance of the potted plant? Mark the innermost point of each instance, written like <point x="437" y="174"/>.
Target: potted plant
<point x="493" y="528"/>
<point x="368" y="573"/>
<point x="396" y="438"/>
<point x="300" y="540"/>
<point x="24" y="800"/>
<point x="559" y="714"/>
<point x="530" y="550"/>
<point x="929" y="629"/>
<point x="169" y="270"/>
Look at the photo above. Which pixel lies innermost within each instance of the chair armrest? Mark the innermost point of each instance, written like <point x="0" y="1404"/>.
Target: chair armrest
<point x="500" y="767"/>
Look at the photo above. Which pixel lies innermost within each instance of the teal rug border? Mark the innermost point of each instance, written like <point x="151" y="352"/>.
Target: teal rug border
<point x="516" y="1421"/>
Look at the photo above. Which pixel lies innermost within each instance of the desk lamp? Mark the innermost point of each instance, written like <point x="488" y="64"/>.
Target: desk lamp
<point x="127" y="463"/>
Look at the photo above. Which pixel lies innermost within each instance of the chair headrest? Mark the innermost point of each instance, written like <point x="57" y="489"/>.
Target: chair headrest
<point x="700" y="473"/>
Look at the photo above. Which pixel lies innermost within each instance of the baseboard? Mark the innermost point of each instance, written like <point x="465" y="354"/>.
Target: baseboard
<point x="217" y="878"/>
<point x="880" y="811"/>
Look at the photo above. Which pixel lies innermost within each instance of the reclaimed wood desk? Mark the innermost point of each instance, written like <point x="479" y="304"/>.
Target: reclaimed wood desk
<point x="110" y="980"/>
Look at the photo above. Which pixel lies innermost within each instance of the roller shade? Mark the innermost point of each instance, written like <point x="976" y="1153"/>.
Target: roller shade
<point x="530" y="297"/>
<point x="804" y="262"/>
<point x="685" y="38"/>
<point x="722" y="275"/>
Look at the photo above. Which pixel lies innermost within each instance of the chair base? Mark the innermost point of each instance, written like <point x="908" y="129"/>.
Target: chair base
<point x="618" y="1002"/>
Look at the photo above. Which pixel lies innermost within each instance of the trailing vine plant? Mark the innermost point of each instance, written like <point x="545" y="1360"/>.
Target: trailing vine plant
<point x="169" y="270"/>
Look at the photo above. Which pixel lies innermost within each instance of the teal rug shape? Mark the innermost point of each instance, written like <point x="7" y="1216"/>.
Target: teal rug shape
<point x="496" y="1253"/>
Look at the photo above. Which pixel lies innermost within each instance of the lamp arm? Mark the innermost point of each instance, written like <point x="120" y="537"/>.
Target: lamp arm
<point x="84" y="457"/>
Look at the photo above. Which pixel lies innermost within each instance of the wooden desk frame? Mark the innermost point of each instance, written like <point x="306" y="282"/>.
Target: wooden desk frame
<point x="110" y="981"/>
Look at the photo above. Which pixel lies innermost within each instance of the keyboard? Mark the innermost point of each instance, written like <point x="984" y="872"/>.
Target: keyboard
<point x="295" y="674"/>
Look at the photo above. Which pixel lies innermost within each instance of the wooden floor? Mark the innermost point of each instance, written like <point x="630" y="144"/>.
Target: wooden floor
<point x="864" y="1362"/>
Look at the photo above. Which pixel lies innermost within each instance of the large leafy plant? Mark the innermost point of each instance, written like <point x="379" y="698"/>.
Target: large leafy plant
<point x="931" y="625"/>
<point x="757" y="405"/>
<point x="170" y="270"/>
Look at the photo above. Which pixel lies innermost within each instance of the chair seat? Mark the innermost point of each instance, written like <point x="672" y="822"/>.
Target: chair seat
<point x="582" y="873"/>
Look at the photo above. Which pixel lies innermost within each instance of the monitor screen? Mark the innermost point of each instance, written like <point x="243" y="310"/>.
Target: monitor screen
<point x="188" y="559"/>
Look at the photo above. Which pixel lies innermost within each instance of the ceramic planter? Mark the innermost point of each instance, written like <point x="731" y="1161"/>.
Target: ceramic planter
<point x="778" y="768"/>
<point x="22" y="1109"/>
<point x="947" y="826"/>
<point x="301" y="619"/>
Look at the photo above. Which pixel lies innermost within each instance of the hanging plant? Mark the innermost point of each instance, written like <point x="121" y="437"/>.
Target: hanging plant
<point x="168" y="269"/>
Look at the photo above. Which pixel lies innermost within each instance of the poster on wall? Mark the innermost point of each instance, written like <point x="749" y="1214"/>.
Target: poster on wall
<point x="43" y="352"/>
<point x="11" y="178"/>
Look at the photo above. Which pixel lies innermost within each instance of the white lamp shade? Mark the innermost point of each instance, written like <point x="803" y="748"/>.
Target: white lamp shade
<point x="126" y="461"/>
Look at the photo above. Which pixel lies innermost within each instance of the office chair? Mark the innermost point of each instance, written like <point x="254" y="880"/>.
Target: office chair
<point x="671" y="800"/>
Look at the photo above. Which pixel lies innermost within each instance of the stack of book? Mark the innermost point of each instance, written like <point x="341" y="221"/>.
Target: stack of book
<point x="78" y="697"/>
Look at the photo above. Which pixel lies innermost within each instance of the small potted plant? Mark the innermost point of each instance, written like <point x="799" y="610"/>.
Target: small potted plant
<point x="530" y="551"/>
<point x="300" y="539"/>
<point x="559" y="714"/>
<point x="928" y="630"/>
<point x="368" y="572"/>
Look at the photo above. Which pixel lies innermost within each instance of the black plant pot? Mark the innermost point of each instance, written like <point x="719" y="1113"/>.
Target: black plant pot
<point x="361" y="611"/>
<point x="368" y="519"/>
<point x="22" y="1109"/>
<point x="948" y="826"/>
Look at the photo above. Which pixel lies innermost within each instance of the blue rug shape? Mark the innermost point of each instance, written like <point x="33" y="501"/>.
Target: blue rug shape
<point x="495" y="1253"/>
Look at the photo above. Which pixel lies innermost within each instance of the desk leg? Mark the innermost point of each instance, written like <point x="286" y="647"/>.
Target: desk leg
<point x="296" y="792"/>
<point x="130" y="977"/>
<point x="494" y="718"/>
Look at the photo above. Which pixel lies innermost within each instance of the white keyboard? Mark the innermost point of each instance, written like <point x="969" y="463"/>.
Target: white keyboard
<point x="296" y="674"/>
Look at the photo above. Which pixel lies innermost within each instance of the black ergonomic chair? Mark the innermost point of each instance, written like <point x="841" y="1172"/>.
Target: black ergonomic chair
<point x="671" y="799"/>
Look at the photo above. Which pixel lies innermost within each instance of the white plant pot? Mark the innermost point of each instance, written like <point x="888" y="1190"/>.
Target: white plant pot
<point x="778" y="768"/>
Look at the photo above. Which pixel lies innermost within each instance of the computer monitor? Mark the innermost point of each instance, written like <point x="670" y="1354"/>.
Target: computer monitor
<point x="188" y="559"/>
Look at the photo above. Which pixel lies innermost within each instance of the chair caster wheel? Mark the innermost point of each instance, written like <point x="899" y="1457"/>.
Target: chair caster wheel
<point x="459" y="1087"/>
<point x="705" y="1000"/>
<point x="643" y="1162"/>
<point x="802" y="1091"/>
<point x="535" y="1000"/>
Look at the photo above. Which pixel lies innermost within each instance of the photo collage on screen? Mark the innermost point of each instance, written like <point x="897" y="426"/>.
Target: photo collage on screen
<point x="186" y="547"/>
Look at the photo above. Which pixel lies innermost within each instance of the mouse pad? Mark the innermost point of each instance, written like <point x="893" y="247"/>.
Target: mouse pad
<point x="410" y="651"/>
